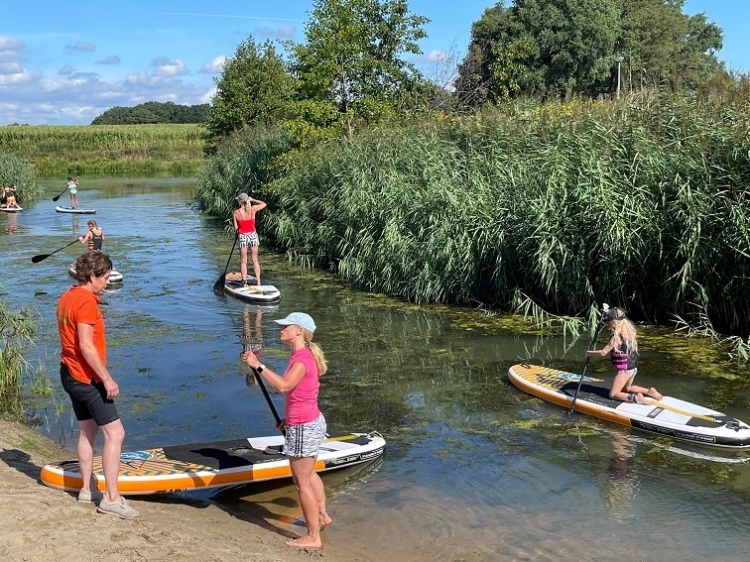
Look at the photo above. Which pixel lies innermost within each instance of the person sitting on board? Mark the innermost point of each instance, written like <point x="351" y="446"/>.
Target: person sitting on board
<point x="9" y="193"/>
<point x="623" y="351"/>
<point x="94" y="237"/>
<point x="73" y="188"/>
<point x="303" y="425"/>
<point x="244" y="226"/>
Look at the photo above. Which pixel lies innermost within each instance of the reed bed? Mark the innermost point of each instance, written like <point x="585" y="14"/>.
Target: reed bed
<point x="106" y="150"/>
<point x="641" y="203"/>
<point x="17" y="328"/>
<point x="15" y="172"/>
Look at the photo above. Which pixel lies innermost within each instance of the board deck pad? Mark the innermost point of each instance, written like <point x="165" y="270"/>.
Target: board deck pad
<point x="214" y="464"/>
<point x="667" y="416"/>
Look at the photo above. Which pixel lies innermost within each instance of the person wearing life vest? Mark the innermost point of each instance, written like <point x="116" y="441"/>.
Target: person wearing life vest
<point x="94" y="237"/>
<point x="623" y="352"/>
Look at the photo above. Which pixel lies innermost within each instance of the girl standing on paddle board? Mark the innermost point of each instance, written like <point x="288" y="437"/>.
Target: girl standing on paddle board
<point x="94" y="237"/>
<point x="244" y="226"/>
<point x="73" y="189"/>
<point x="623" y="351"/>
<point x="303" y="423"/>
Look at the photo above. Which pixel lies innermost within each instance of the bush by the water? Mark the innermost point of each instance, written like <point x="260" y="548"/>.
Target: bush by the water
<point x="15" y="172"/>
<point x="641" y="203"/>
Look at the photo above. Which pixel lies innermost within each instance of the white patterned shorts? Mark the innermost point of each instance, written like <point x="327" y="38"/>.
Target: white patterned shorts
<point x="249" y="239"/>
<point x="304" y="440"/>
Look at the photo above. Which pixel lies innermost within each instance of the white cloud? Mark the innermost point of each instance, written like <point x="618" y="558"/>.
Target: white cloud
<point x="111" y="59"/>
<point x="215" y="66"/>
<point x="66" y="70"/>
<point x="283" y="32"/>
<point x="166" y="68"/>
<point x="80" y="46"/>
<point x="10" y="43"/>
<point x="208" y="96"/>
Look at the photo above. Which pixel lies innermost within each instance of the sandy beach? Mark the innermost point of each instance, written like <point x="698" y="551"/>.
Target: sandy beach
<point x="40" y="524"/>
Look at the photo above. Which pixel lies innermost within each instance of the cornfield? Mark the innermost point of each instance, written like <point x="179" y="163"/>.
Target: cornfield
<point x="106" y="150"/>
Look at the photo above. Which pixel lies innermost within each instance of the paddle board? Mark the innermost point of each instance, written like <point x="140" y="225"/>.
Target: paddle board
<point x="15" y="209"/>
<point x="213" y="465"/>
<point x="65" y="209"/>
<point x="260" y="294"/>
<point x="669" y="416"/>
<point x="114" y="276"/>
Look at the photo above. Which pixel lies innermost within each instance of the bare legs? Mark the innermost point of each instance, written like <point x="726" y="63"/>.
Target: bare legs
<point x="114" y="435"/>
<point x="243" y="264"/>
<point x="312" y="498"/>
<point x="623" y="385"/>
<point x="74" y="200"/>
<point x="256" y="263"/>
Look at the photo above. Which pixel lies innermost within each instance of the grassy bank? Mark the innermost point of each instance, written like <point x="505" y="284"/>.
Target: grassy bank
<point x="106" y="150"/>
<point x="640" y="202"/>
<point x="17" y="329"/>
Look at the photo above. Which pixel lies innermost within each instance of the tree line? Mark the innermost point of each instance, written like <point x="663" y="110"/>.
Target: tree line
<point x="153" y="112"/>
<point x="352" y="70"/>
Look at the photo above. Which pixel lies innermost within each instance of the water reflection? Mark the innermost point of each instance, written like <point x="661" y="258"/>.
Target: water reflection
<point x="74" y="224"/>
<point x="621" y="484"/>
<point x="11" y="224"/>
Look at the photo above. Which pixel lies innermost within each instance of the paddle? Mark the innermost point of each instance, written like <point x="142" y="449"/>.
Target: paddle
<point x="268" y="399"/>
<point x="58" y="196"/>
<point x="604" y="318"/>
<point x="42" y="257"/>
<point x="220" y="281"/>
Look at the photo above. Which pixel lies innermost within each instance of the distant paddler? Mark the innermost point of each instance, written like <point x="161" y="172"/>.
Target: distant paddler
<point x="244" y="225"/>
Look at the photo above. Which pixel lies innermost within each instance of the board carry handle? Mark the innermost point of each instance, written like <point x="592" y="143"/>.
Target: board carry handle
<point x="602" y="320"/>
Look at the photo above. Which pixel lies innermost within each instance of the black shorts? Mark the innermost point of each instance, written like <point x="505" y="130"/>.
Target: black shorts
<point x="89" y="400"/>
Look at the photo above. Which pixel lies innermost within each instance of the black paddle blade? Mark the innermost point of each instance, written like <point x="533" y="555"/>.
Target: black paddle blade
<point x="219" y="285"/>
<point x="37" y="259"/>
<point x="56" y="197"/>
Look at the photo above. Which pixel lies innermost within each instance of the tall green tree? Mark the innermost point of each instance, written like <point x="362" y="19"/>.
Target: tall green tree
<point x="255" y="88"/>
<point x="554" y="48"/>
<point x="352" y="58"/>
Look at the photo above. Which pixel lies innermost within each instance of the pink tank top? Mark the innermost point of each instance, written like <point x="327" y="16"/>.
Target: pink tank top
<point x="302" y="400"/>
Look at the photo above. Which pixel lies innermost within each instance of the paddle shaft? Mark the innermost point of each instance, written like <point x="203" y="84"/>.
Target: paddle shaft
<point x="42" y="257"/>
<point x="220" y="281"/>
<point x="599" y="327"/>
<point x="58" y="196"/>
<point x="268" y="399"/>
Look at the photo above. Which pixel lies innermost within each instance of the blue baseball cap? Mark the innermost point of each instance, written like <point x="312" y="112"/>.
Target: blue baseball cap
<point x="299" y="319"/>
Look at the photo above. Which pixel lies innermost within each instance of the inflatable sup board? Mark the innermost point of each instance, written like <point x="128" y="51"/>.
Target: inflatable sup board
<point x="114" y="277"/>
<point x="15" y="209"/>
<point x="213" y="465"/>
<point x="234" y="286"/>
<point x="669" y="416"/>
<point x="65" y="209"/>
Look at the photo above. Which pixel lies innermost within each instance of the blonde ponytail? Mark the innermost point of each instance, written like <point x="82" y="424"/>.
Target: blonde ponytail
<point x="314" y="348"/>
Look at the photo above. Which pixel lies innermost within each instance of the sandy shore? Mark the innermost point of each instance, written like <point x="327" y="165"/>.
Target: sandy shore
<point x="42" y="525"/>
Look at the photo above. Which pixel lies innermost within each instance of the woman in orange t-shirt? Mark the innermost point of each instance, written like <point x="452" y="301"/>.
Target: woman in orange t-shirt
<point x="84" y="376"/>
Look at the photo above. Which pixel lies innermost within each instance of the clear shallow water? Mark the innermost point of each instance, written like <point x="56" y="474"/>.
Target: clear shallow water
<point x="475" y="470"/>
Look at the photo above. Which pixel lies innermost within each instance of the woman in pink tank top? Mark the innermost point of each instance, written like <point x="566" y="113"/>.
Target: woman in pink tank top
<point x="304" y="425"/>
<point x="244" y="225"/>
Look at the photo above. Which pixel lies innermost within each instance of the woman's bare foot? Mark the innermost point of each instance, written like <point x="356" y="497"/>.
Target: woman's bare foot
<point x="653" y="393"/>
<point x="641" y="399"/>
<point x="325" y="520"/>
<point x="305" y="542"/>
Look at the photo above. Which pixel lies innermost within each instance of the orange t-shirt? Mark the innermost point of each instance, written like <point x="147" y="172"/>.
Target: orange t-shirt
<point x="80" y="306"/>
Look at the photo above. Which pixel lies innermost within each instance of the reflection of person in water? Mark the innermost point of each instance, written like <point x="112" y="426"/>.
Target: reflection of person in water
<point x="622" y="483"/>
<point x="252" y="335"/>
<point x="11" y="224"/>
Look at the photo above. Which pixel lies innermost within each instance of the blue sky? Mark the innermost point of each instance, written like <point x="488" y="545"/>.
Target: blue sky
<point x="67" y="62"/>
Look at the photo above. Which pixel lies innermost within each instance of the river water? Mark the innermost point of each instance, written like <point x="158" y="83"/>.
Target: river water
<point x="475" y="470"/>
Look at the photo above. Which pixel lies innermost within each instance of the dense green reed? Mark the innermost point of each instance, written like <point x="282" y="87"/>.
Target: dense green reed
<point x="15" y="172"/>
<point x="641" y="203"/>
<point x="16" y="330"/>
<point x="106" y="150"/>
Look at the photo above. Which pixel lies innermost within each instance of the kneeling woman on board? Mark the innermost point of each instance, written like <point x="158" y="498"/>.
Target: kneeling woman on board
<point x="623" y="351"/>
<point x="303" y="425"/>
